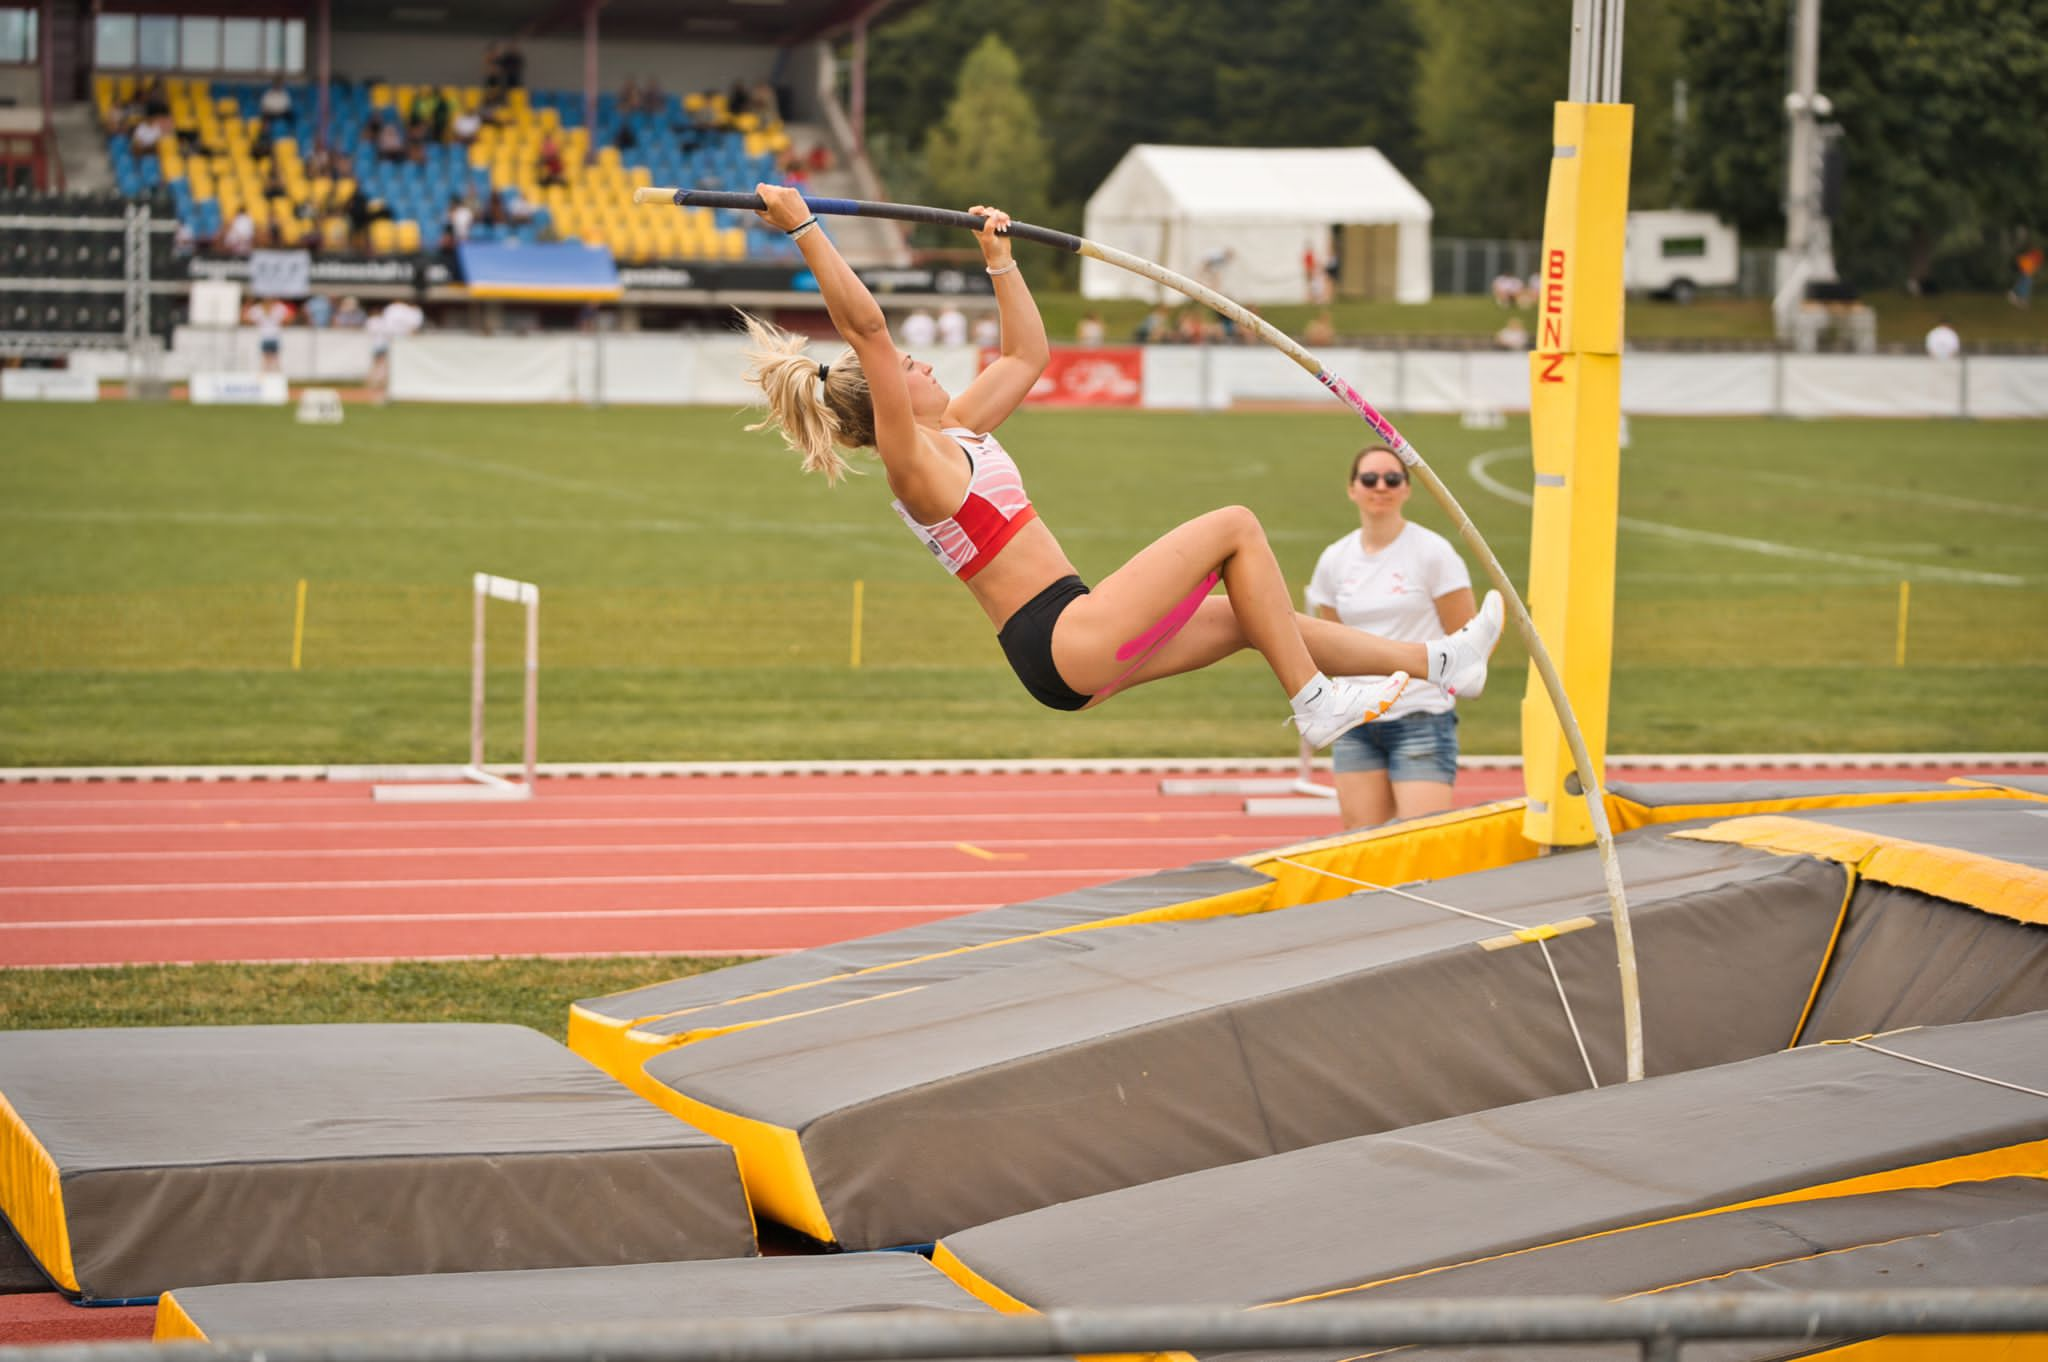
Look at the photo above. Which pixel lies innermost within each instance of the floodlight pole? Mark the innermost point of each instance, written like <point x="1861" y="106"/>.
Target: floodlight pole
<point x="1809" y="254"/>
<point x="1596" y="51"/>
<point x="590" y="8"/>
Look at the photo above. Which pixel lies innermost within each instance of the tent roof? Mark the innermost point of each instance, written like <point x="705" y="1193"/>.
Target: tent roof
<point x="1274" y="184"/>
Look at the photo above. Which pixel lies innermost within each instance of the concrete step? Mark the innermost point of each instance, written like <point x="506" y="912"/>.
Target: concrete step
<point x="82" y="148"/>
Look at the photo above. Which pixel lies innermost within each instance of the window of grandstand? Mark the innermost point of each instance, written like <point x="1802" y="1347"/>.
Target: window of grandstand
<point x="17" y="35"/>
<point x="192" y="42"/>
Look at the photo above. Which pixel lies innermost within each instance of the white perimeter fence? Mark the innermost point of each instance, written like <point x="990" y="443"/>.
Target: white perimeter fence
<point x="681" y="369"/>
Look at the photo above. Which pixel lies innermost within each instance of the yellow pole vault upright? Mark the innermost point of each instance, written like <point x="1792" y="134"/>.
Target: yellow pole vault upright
<point x="1574" y="418"/>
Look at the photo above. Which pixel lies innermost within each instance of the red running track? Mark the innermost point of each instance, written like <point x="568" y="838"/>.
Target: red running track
<point x="107" y="874"/>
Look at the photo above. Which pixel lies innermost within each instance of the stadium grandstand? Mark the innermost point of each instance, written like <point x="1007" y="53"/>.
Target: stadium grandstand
<point x="146" y="147"/>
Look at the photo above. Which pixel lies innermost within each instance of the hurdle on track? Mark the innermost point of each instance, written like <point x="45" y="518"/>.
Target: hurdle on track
<point x="478" y="783"/>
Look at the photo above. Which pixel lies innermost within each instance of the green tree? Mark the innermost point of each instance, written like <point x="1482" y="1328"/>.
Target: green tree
<point x="988" y="147"/>
<point x="1943" y="109"/>
<point x="1111" y="74"/>
<point x="1491" y="73"/>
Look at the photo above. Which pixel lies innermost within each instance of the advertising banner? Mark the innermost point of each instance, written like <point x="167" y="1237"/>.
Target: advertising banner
<point x="1112" y="376"/>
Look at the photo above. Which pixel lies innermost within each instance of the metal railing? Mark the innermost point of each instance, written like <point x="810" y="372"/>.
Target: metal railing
<point x="1660" y="1326"/>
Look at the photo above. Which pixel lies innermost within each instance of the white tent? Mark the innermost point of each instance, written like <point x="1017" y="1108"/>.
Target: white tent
<point x="1186" y="206"/>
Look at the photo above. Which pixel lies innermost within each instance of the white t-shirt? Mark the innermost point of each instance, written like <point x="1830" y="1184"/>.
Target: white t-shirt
<point x="952" y="327"/>
<point x="1393" y="593"/>
<point x="919" y="330"/>
<point x="1944" y="343"/>
<point x="270" y="321"/>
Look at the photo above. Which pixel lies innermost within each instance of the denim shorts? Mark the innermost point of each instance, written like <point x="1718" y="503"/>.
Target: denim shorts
<point x="1412" y="747"/>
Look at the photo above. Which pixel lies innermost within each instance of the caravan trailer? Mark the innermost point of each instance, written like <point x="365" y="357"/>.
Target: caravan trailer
<point x="1674" y="254"/>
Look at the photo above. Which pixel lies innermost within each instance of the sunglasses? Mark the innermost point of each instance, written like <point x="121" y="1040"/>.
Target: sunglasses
<point x="1394" y="479"/>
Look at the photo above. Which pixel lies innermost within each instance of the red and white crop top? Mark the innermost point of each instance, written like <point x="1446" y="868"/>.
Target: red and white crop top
<point x="995" y="508"/>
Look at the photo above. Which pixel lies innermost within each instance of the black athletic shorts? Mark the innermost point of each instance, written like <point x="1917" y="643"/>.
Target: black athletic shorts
<point x="1027" y="641"/>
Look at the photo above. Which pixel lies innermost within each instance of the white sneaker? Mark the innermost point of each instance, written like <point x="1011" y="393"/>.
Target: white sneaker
<point x="1330" y="709"/>
<point x="1458" y="663"/>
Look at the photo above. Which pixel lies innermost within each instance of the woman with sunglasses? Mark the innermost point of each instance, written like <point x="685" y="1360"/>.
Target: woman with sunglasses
<point x="1399" y="581"/>
<point x="961" y="495"/>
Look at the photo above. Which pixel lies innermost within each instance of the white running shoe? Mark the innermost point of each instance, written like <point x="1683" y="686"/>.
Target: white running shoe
<point x="1458" y="662"/>
<point x="1330" y="709"/>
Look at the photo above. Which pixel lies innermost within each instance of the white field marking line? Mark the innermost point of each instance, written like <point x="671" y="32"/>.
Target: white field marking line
<point x="549" y="915"/>
<point x="669" y="953"/>
<point x="1235" y="814"/>
<point x="632" y="496"/>
<point x="569" y="881"/>
<point x="1219" y="840"/>
<point x="422" y="524"/>
<point x="1479" y="464"/>
<point x="1876" y="493"/>
<point x="1111" y="797"/>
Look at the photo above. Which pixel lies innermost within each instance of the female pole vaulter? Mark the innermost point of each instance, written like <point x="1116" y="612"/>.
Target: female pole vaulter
<point x="960" y="494"/>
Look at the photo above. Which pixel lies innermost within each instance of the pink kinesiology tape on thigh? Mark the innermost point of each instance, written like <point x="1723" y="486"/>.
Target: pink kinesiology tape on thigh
<point x="1175" y="620"/>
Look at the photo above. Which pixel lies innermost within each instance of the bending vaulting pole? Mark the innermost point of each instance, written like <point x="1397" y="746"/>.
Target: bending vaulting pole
<point x="1589" y="778"/>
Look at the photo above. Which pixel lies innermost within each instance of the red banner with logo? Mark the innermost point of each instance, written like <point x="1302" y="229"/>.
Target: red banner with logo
<point x="1111" y="376"/>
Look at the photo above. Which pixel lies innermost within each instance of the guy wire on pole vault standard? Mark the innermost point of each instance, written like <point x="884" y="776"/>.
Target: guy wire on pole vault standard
<point x="1591" y="788"/>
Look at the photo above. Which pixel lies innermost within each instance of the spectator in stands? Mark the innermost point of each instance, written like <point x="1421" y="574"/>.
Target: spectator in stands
<point x="1512" y="335"/>
<point x="629" y="96"/>
<point x="952" y="325"/>
<point x="494" y="214"/>
<point x="430" y="114"/>
<point x="1191" y="328"/>
<point x="1507" y="289"/>
<point x="387" y="137"/>
<point x="625" y="139"/>
<point x="820" y="159"/>
<point x="736" y="98"/>
<point x="518" y="208"/>
<point x="1156" y="328"/>
<point x="349" y="314"/>
<point x="150" y="131"/>
<point x="548" y="165"/>
<point x="920" y="332"/>
<point x="1088" y="331"/>
<point x="1320" y="330"/>
<point x="467" y="125"/>
<point x="276" y="102"/>
<point x="156" y="101"/>
<point x="511" y="66"/>
<point x="793" y="173"/>
<point x="764" y="105"/>
<point x="986" y="331"/>
<point x="1943" y="342"/>
<point x="239" y="238"/>
<point x="319" y="311"/>
<point x="461" y="217"/>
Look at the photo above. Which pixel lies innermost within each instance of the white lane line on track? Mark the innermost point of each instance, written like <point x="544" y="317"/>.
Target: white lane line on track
<point x="1004" y="872"/>
<point x="1912" y="495"/>
<point x="1218" y="841"/>
<point x="551" y="915"/>
<point x="1234" y="813"/>
<point x="1480" y="464"/>
<point x="710" y="796"/>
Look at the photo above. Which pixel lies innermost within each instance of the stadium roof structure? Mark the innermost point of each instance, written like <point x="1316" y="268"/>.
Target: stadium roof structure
<point x="778" y="22"/>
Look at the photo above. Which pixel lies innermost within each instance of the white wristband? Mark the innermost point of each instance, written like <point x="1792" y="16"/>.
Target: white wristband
<point x="1003" y="270"/>
<point x="797" y="232"/>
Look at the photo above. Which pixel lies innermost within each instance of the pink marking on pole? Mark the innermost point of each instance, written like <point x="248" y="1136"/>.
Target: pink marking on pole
<point x="1380" y="424"/>
<point x="1173" y="622"/>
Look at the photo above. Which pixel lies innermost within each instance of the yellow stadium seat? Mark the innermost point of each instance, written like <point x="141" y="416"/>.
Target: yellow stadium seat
<point x="734" y="240"/>
<point x="334" y="233"/>
<point x="408" y="235"/>
<point x="380" y="94"/>
<point x="383" y="238"/>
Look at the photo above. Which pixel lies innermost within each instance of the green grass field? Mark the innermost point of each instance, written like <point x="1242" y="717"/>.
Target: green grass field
<point x="698" y="591"/>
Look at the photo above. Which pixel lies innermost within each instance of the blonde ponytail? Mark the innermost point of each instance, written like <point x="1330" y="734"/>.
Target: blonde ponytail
<point x="813" y="418"/>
